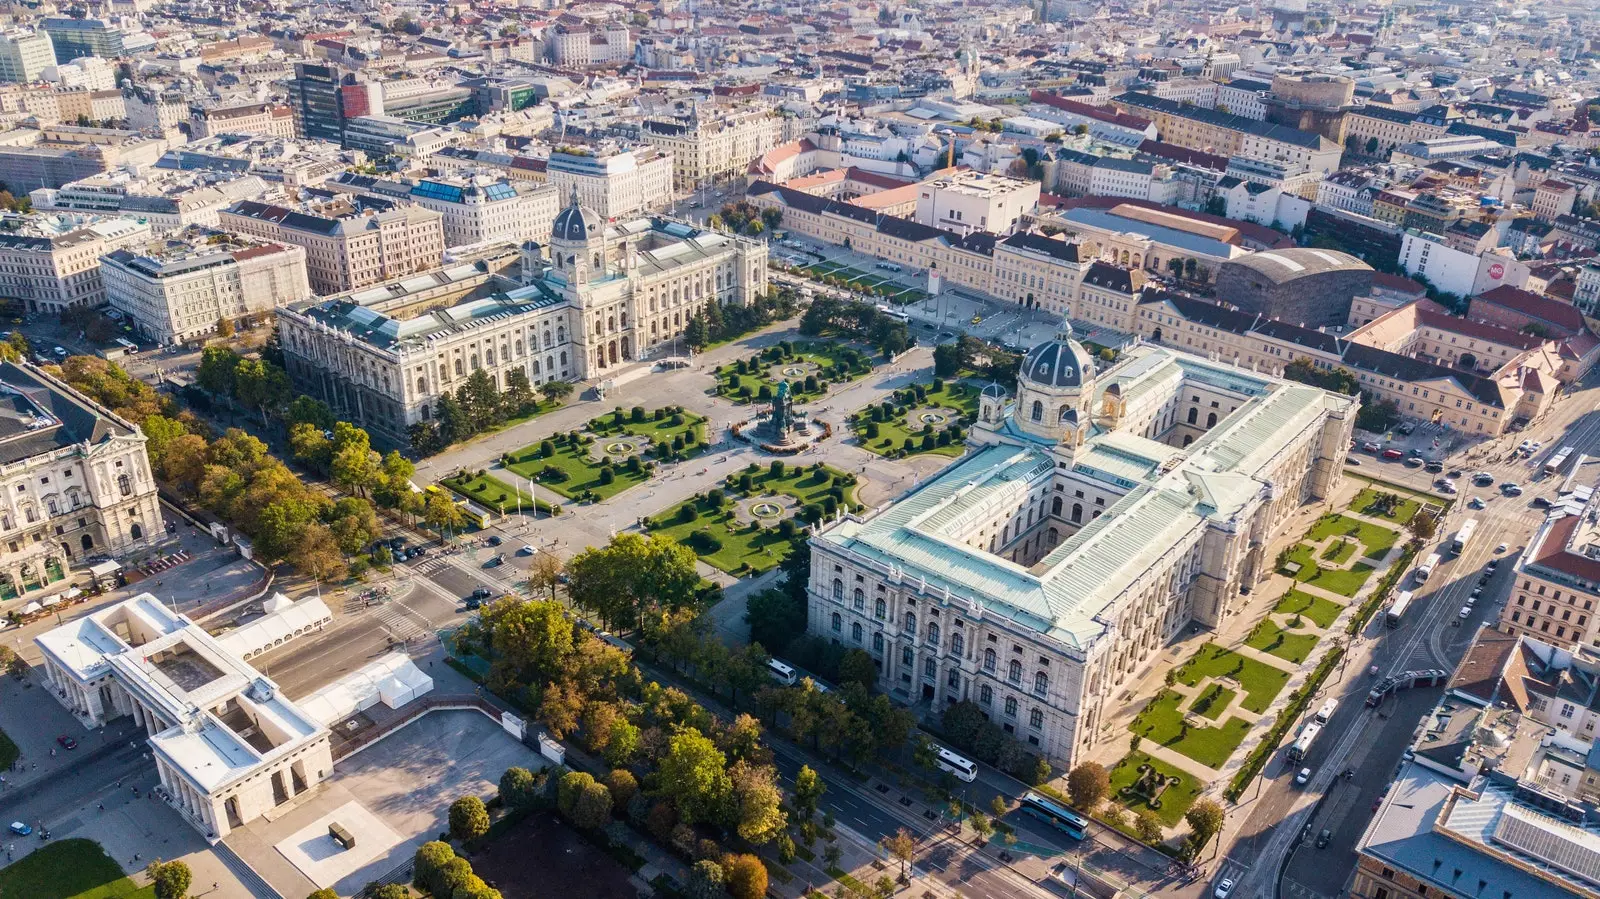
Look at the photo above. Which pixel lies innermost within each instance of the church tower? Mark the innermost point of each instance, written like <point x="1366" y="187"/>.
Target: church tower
<point x="577" y="245"/>
<point x="1055" y="390"/>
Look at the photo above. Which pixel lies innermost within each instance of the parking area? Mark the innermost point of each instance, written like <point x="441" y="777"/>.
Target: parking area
<point x="404" y="782"/>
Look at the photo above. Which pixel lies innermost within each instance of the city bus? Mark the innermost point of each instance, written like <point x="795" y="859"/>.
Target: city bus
<point x="1554" y="463"/>
<point x="476" y="515"/>
<point x="1464" y="536"/>
<point x="1054" y="814"/>
<point x="955" y="764"/>
<point x="1326" y="712"/>
<point x="1397" y="609"/>
<point x="783" y="674"/>
<point x="1427" y="567"/>
<point x="1302" y="745"/>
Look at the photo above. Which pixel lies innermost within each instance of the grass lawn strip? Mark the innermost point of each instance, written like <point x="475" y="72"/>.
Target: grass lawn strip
<point x="69" y="869"/>
<point x="1343" y="581"/>
<point x="1213" y="702"/>
<point x="749" y="544"/>
<point x="826" y="355"/>
<point x="487" y="489"/>
<point x="1269" y="637"/>
<point x="1377" y="540"/>
<point x="1175" y="799"/>
<point x="1162" y="722"/>
<point x="1339" y="551"/>
<point x="1322" y="612"/>
<point x="1261" y="681"/>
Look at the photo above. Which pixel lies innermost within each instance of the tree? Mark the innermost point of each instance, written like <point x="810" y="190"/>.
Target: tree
<point x="518" y="788"/>
<point x="1147" y="825"/>
<point x="469" y="819"/>
<point x="998" y="806"/>
<point x="544" y="573"/>
<point x="170" y="879"/>
<point x="387" y="891"/>
<point x="532" y="637"/>
<point x="808" y="790"/>
<point x="856" y="667"/>
<point x="706" y="878"/>
<point x="1422" y="526"/>
<point x="442" y="514"/>
<point x="1205" y="819"/>
<point x="946" y="360"/>
<point x="746" y="876"/>
<point x="585" y="801"/>
<point x="225" y="328"/>
<point x="902" y="847"/>
<point x="757" y="800"/>
<point x="694" y="775"/>
<point x="633" y="574"/>
<point x="1087" y="784"/>
<point x="325" y="893"/>
<point x="623" y="786"/>
<point x="316" y="553"/>
<point x="556" y="391"/>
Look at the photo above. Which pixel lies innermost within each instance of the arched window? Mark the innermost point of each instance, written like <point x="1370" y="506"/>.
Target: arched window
<point x="877" y="642"/>
<point x="1038" y="411"/>
<point x="1041" y="683"/>
<point x="459" y="370"/>
<point x="1011" y="707"/>
<point x="1015" y="673"/>
<point x="933" y="634"/>
<point x="1062" y="416"/>
<point x="124" y="485"/>
<point x="1055" y="506"/>
<point x="561" y="334"/>
<point x="911" y="622"/>
<point x="985" y="694"/>
<point x="880" y="609"/>
<point x="838" y="589"/>
<point x="563" y="358"/>
<point x="957" y="644"/>
<point x="1036" y="719"/>
<point x="855" y="632"/>
<point x="1211" y="420"/>
<point x="1077" y="512"/>
<point x="136" y="532"/>
<point x="988" y="660"/>
<point x="1194" y="416"/>
<point x="859" y="601"/>
<point x="88" y="541"/>
<point x="422" y="385"/>
<point x="838" y="622"/>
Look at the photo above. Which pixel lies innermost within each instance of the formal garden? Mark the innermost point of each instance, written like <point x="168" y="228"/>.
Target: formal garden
<point x="923" y="418"/>
<point x="810" y="367"/>
<point x="611" y="454"/>
<point x="847" y="277"/>
<point x="1167" y="722"/>
<point x="485" y="489"/>
<point x="748" y="526"/>
<point x="70" y="869"/>
<point x="1140" y="782"/>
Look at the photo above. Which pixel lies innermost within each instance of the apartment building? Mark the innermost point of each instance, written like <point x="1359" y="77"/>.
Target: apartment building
<point x="581" y="47"/>
<point x="54" y="155"/>
<point x="177" y="289"/>
<point x="25" y="54"/>
<point x="349" y="244"/>
<point x="1038" y="271"/>
<point x="706" y="150"/>
<point x="611" y="181"/>
<point x="1073" y="173"/>
<point x="165" y="199"/>
<point x="968" y="201"/>
<point x="1556" y="579"/>
<point x="1231" y="135"/>
<point x="1552" y="199"/>
<point x="52" y="266"/>
<point x="476" y="209"/>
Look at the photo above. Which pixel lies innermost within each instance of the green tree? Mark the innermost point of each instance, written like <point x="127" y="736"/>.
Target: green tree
<point x="387" y="891"/>
<point x="469" y="819"/>
<point x="706" y="879"/>
<point x="757" y="800"/>
<point x="532" y="638"/>
<point x="429" y="863"/>
<point x="442" y="514"/>
<point x="902" y="847"/>
<point x="693" y="773"/>
<point x="518" y="789"/>
<point x="1147" y="825"/>
<point x="556" y="391"/>
<point x="1205" y="819"/>
<point x="808" y="790"/>
<point x="316" y="553"/>
<point x="623" y="786"/>
<point x="856" y="667"/>
<point x="1088" y="784"/>
<point x="170" y="879"/>
<point x="354" y="524"/>
<point x="632" y="575"/>
<point x="215" y="374"/>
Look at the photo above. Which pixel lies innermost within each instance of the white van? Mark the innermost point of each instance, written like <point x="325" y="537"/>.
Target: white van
<point x="781" y="673"/>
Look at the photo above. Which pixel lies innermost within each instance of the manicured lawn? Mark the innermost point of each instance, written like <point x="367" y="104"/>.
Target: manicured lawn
<point x="1261" y="681"/>
<point x="1321" y="611"/>
<point x="583" y="474"/>
<point x="749" y="546"/>
<point x="1377" y="540"/>
<point x="1271" y="638"/>
<point x="1213" y="702"/>
<point x="959" y="400"/>
<point x="836" y="362"/>
<point x="69" y="869"/>
<point x="1175" y="799"/>
<point x="486" y="490"/>
<point x="1339" y="551"/>
<point x="8" y="751"/>
<point x="1162" y="722"/>
<point x="1343" y="581"/>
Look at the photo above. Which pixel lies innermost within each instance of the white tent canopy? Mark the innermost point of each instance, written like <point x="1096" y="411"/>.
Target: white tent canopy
<point x="284" y="622"/>
<point x="393" y="680"/>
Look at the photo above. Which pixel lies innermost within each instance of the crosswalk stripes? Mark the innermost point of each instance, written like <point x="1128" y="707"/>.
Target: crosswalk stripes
<point x="1230" y="870"/>
<point x="399" y="623"/>
<point x="429" y="566"/>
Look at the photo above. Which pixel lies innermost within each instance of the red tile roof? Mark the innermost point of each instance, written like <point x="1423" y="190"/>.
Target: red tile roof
<point x="1534" y="305"/>
<point x="1553" y="552"/>
<point x="1091" y="112"/>
<point x="1184" y="155"/>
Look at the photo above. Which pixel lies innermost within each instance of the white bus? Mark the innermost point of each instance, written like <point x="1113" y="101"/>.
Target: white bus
<point x="1303" y="744"/>
<point x="1326" y="712"/>
<point x="1554" y="463"/>
<point x="957" y="765"/>
<point x="781" y="673"/>
<point x="1397" y="609"/>
<point x="1464" y="535"/>
<point x="1427" y="567"/>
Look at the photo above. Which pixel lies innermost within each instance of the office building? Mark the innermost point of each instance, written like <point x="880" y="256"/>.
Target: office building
<point x="477" y="209"/>
<point x="326" y="97"/>
<point x="1096" y="517"/>
<point x="349" y="243"/>
<point x="73" y="38"/>
<point x="611" y="181"/>
<point x="179" y="288"/>
<point x="967" y="201"/>
<point x="52" y="265"/>
<point x="25" y="55"/>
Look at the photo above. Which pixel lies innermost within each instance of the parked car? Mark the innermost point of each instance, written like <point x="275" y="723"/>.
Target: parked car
<point x="67" y="742"/>
<point x="1540" y="502"/>
<point x="1223" y="890"/>
<point x="1476" y="503"/>
<point x="1407" y="428"/>
<point x="1483" y="479"/>
<point x="1324" y="838"/>
<point x="20" y="829"/>
<point x="1393" y="454"/>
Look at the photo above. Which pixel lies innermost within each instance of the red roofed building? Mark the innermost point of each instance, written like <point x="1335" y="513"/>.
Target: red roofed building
<point x="1514" y="308"/>
<point x="1101" y="120"/>
<point x="1556" y="586"/>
